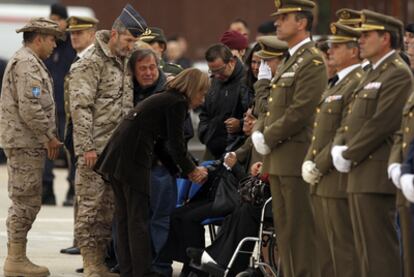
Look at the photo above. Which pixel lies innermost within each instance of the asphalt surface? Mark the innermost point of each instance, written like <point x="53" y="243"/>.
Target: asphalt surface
<point x="52" y="231"/>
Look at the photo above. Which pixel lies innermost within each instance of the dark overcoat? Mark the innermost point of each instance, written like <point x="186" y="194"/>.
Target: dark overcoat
<point x="153" y="125"/>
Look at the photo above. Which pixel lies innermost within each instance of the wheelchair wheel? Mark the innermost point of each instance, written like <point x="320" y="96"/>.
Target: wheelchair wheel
<point x="274" y="259"/>
<point x="250" y="272"/>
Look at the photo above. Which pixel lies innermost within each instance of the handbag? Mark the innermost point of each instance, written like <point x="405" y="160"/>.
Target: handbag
<point x="254" y="190"/>
<point x="226" y="197"/>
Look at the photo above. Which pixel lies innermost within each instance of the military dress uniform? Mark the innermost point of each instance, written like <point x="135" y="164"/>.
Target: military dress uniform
<point x="399" y="153"/>
<point x="271" y="48"/>
<point x="294" y="93"/>
<point x="373" y="118"/>
<point x="100" y="94"/>
<point x="27" y="123"/>
<point x="330" y="201"/>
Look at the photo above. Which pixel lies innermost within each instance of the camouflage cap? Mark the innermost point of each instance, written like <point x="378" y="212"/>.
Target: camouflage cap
<point x="289" y="6"/>
<point x="133" y="21"/>
<point x="349" y="17"/>
<point x="271" y="47"/>
<point x="156" y="35"/>
<point x="44" y="26"/>
<point x="79" y="23"/>
<point x="342" y="34"/>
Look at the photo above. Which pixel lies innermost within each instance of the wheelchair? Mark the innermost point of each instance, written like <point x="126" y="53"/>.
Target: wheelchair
<point x="264" y="259"/>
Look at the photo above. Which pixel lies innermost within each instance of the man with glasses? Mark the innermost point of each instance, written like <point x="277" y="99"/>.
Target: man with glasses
<point x="221" y="117"/>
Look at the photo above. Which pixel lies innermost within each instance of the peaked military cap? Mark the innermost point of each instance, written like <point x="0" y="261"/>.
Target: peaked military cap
<point x="271" y="47"/>
<point x="342" y="33"/>
<point x="373" y="21"/>
<point x="349" y="17"/>
<point x="133" y="21"/>
<point x="156" y="35"/>
<point x="79" y="23"/>
<point x="44" y="26"/>
<point x="289" y="6"/>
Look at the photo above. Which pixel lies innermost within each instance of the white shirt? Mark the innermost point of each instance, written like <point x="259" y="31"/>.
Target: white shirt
<point x="83" y="52"/>
<point x="295" y="48"/>
<point x="378" y="63"/>
<point x="344" y="72"/>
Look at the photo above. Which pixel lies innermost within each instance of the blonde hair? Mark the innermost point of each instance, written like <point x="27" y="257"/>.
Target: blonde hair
<point x="190" y="82"/>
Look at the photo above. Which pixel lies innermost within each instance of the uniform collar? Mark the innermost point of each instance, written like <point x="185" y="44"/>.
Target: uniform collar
<point x="378" y="63"/>
<point x="83" y="52"/>
<point x="344" y="72"/>
<point x="295" y="48"/>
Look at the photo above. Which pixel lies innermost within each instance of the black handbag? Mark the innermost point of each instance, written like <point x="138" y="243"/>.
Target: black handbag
<point x="254" y="190"/>
<point x="226" y="197"/>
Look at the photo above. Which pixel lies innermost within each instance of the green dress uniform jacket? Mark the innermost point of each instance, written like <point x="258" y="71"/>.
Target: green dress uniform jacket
<point x="373" y="118"/>
<point x="294" y="94"/>
<point x="331" y="110"/>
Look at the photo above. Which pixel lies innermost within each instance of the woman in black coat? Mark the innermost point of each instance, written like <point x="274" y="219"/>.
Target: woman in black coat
<point x="154" y="125"/>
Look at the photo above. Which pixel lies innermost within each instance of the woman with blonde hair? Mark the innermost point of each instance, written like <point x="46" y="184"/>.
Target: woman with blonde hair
<point x="154" y="125"/>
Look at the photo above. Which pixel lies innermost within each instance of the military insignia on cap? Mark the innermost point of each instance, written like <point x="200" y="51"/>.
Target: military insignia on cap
<point x="277" y="4"/>
<point x="344" y="15"/>
<point x="36" y="91"/>
<point x="363" y="18"/>
<point x="333" y="29"/>
<point x="147" y="32"/>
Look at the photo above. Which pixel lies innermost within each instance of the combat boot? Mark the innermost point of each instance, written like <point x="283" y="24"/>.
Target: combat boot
<point x="17" y="263"/>
<point x="93" y="264"/>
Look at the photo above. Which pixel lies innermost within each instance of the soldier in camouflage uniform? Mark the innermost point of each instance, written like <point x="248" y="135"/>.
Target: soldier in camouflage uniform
<point x="28" y="133"/>
<point x="100" y="94"/>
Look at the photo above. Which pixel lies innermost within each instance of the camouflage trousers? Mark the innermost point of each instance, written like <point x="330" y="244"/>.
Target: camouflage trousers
<point x="95" y="200"/>
<point x="25" y="169"/>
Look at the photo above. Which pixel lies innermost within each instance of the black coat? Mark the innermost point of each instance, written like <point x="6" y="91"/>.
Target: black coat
<point x="154" y="125"/>
<point x="230" y="98"/>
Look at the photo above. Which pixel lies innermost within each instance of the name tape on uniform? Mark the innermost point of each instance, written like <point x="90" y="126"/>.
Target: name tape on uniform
<point x="373" y="85"/>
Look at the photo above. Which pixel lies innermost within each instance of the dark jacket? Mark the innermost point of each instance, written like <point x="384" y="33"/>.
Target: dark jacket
<point x="224" y="100"/>
<point x="59" y="64"/>
<point x="158" y="120"/>
<point x="142" y="93"/>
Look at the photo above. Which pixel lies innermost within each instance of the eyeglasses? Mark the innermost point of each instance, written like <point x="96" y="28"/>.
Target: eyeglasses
<point x="217" y="71"/>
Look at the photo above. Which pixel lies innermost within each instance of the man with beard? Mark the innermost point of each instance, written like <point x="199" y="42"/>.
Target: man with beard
<point x="100" y="94"/>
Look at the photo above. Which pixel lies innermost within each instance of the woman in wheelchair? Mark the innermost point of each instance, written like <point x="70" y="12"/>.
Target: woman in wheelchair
<point x="186" y="229"/>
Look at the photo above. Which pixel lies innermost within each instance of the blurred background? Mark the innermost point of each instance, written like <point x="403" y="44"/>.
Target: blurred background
<point x="201" y="23"/>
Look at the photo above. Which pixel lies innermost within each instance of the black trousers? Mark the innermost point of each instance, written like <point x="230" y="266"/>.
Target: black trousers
<point x="132" y="219"/>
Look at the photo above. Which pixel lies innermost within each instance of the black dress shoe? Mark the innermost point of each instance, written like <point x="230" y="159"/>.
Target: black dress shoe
<point x="68" y="202"/>
<point x="79" y="270"/>
<point x="195" y="254"/>
<point x="71" y="250"/>
<point x="115" y="269"/>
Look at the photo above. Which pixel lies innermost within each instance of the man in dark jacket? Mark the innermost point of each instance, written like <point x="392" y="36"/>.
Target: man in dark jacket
<point x="221" y="117"/>
<point x="58" y="64"/>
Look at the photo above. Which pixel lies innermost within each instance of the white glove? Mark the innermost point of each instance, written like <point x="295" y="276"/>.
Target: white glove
<point x="310" y="173"/>
<point x="259" y="143"/>
<point x="407" y="186"/>
<point x="394" y="173"/>
<point x="341" y="164"/>
<point x="265" y="72"/>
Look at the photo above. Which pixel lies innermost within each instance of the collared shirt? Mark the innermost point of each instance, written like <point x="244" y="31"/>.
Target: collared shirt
<point x="295" y="48"/>
<point x="374" y="66"/>
<point x="83" y="52"/>
<point x="344" y="72"/>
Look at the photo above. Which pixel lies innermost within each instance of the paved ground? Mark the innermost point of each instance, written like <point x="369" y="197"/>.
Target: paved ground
<point x="52" y="231"/>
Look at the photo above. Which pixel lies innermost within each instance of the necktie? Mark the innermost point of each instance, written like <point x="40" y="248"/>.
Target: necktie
<point x="333" y="80"/>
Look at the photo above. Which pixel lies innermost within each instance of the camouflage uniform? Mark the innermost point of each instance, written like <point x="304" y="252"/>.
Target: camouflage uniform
<point x="27" y="122"/>
<point x="100" y="94"/>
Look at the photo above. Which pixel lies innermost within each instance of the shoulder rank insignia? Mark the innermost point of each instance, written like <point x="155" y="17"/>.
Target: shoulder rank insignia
<point x="317" y="62"/>
<point x="36" y="91"/>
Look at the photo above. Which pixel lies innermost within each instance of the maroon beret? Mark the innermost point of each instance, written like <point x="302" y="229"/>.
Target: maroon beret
<point x="234" y="40"/>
